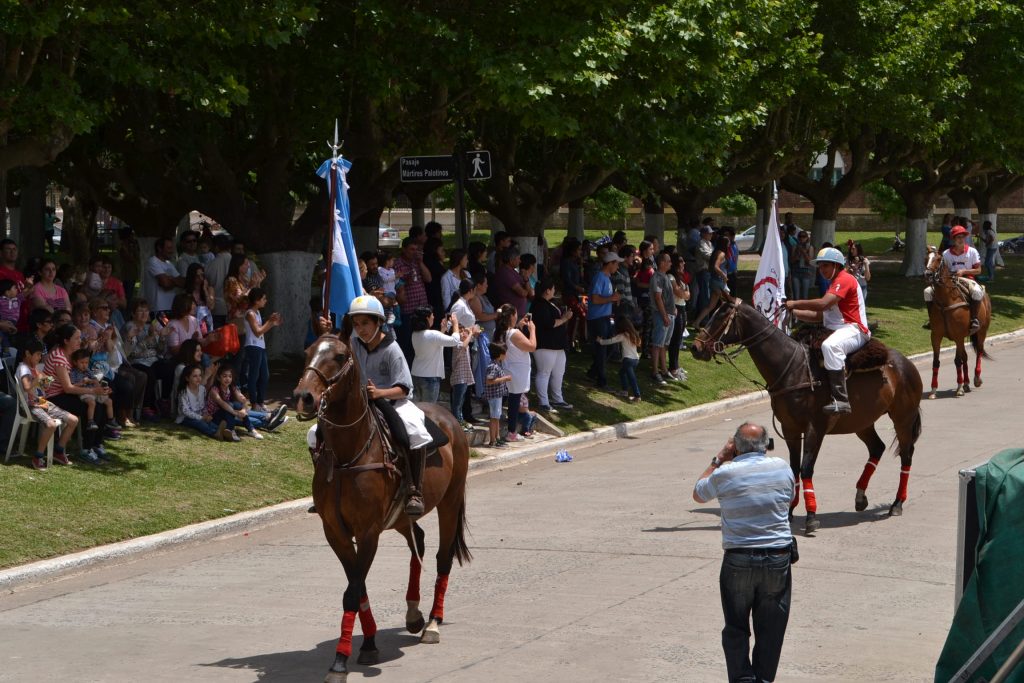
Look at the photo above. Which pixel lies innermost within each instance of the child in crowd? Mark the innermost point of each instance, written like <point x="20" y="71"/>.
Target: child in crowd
<point x="386" y="272"/>
<point x="495" y="391"/>
<point x="34" y="383"/>
<point x="225" y="402"/>
<point x="527" y="417"/>
<point x="630" y="342"/>
<point x="256" y="347"/>
<point x="82" y="376"/>
<point x="10" y="310"/>
<point x="192" y="410"/>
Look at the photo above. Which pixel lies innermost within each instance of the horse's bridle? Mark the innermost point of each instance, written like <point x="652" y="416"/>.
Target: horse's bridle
<point x="715" y="343"/>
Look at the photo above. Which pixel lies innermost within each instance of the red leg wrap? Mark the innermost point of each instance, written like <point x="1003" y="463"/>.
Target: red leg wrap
<point x="796" y="497"/>
<point x="440" y="588"/>
<point x="959" y="374"/>
<point x="865" y="476"/>
<point x="901" y="493"/>
<point x="935" y="377"/>
<point x="810" y="501"/>
<point x="348" y="620"/>
<point x="366" y="622"/>
<point x="413" y="593"/>
<point x="977" y="367"/>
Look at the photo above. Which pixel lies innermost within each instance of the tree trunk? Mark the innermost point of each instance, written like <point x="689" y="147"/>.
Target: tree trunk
<point x="823" y="230"/>
<point x="497" y="225"/>
<point x="78" y="227"/>
<point x="32" y="204"/>
<point x="963" y="211"/>
<point x="918" y="216"/>
<point x="961" y="198"/>
<point x="146" y="245"/>
<point x="289" y="274"/>
<point x="577" y="219"/>
<point x="993" y="218"/>
<point x="764" y="208"/>
<point x="3" y="204"/>
<point x="654" y="218"/>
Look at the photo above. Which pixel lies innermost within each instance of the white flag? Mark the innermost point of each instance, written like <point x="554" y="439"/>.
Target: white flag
<point x="770" y="281"/>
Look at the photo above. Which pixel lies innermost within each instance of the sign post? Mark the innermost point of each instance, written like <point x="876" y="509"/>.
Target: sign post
<point x="446" y="169"/>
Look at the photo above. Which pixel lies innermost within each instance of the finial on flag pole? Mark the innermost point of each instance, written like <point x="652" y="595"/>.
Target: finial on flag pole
<point x="335" y="146"/>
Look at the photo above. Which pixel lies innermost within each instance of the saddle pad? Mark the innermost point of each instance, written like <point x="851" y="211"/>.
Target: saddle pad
<point x="436" y="433"/>
<point x="872" y="355"/>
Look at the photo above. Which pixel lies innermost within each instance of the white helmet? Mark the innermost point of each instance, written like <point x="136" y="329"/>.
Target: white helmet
<point x="366" y="305"/>
<point x="830" y="255"/>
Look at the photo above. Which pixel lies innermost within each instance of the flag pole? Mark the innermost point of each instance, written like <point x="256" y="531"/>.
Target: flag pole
<point x="332" y="195"/>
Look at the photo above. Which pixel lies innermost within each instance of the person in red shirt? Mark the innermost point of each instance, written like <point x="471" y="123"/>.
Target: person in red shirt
<point x="9" y="264"/>
<point x="841" y="309"/>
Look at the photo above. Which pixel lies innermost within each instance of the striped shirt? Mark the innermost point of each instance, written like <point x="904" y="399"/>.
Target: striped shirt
<point x="754" y="491"/>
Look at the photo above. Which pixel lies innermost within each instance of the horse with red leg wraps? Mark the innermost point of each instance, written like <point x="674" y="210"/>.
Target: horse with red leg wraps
<point x="356" y="490"/>
<point x="890" y="384"/>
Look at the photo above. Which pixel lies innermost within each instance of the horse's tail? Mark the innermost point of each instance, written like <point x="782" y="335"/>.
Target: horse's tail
<point x="979" y="346"/>
<point x="461" y="550"/>
<point x="915" y="431"/>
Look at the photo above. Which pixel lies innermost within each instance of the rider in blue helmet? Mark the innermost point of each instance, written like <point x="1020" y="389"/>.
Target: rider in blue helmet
<point x="840" y="309"/>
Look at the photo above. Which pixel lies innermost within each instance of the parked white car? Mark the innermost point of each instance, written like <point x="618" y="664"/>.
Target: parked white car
<point x="388" y="237"/>
<point x="745" y="240"/>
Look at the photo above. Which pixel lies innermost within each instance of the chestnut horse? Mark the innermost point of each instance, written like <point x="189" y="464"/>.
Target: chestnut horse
<point x="950" y="317"/>
<point x="798" y="397"/>
<point x="357" y="494"/>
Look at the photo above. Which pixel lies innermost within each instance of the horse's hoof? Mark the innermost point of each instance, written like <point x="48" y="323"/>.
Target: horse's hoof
<point x="431" y="634"/>
<point x="415" y="626"/>
<point x="959" y="391"/>
<point x="967" y="387"/>
<point x="336" y="677"/>
<point x="369" y="657"/>
<point x="933" y="395"/>
<point x="897" y="509"/>
<point x="860" y="502"/>
<point x="811" y="525"/>
<point x="977" y="381"/>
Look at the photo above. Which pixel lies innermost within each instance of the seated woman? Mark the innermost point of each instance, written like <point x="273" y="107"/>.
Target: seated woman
<point x="225" y="401"/>
<point x="389" y="384"/>
<point x="129" y="384"/>
<point x="66" y="340"/>
<point x="143" y="347"/>
<point x="183" y="324"/>
<point x="191" y="406"/>
<point x="45" y="412"/>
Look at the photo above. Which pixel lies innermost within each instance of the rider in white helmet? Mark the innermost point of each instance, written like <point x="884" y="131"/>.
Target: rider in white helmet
<point x="387" y="376"/>
<point x="840" y="309"/>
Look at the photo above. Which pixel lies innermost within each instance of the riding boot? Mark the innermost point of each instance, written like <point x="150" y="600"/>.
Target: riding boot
<point x="414" y="501"/>
<point x="975" y="323"/>
<point x="840" y="399"/>
<point x="928" y="323"/>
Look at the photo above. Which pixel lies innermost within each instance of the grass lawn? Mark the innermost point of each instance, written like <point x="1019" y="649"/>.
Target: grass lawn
<point x="164" y="477"/>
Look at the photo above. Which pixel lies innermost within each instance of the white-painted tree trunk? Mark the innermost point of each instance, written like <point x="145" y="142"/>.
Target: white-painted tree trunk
<point x="419" y="215"/>
<point x="289" y="274"/>
<point x="146" y="245"/>
<point x="496" y="225"/>
<point x="993" y="218"/>
<point x="917" y="246"/>
<point x="823" y="230"/>
<point x="654" y="224"/>
<point x="760" y="219"/>
<point x="577" y="222"/>
<point x="529" y="244"/>
<point x="15" y="218"/>
<point x="964" y="211"/>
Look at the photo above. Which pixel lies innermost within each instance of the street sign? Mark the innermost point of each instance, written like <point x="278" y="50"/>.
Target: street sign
<point x="430" y="169"/>
<point x="478" y="165"/>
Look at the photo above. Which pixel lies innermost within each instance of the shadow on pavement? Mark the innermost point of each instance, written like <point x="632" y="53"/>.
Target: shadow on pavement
<point x="312" y="665"/>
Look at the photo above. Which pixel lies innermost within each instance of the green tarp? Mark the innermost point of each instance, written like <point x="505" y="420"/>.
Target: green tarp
<point x="997" y="585"/>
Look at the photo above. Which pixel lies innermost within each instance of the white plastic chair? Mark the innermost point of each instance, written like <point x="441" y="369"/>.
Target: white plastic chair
<point x="23" y="420"/>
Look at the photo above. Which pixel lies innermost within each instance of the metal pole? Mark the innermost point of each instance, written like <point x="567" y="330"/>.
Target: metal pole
<point x="1010" y="664"/>
<point x="461" y="224"/>
<point x="331" y="194"/>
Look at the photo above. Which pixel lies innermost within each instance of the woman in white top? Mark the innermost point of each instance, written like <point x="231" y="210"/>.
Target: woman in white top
<point x="429" y="344"/>
<point x="462" y="308"/>
<point x="518" y="347"/>
<point x="256" y="347"/>
<point x="457" y="262"/>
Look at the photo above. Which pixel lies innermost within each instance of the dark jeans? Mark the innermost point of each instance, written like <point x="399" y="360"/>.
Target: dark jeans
<point x="677" y="339"/>
<point x="627" y="376"/>
<point x="759" y="584"/>
<point x="258" y="373"/>
<point x="513" y="412"/>
<point x="599" y="327"/>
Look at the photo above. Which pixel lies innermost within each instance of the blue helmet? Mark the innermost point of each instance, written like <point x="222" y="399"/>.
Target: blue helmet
<point x="366" y="305"/>
<point x="830" y="255"/>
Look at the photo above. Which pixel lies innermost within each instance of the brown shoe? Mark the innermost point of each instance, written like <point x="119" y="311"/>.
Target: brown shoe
<point x="414" y="504"/>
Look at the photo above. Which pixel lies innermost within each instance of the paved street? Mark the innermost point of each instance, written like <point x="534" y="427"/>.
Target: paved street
<point x="600" y="569"/>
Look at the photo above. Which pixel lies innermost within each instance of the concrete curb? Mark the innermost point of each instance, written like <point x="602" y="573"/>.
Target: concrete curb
<point x="75" y="563"/>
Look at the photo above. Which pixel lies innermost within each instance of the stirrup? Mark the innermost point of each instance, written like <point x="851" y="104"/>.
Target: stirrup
<point x="414" y="504"/>
<point x="838" y="408"/>
<point x="975" y="325"/>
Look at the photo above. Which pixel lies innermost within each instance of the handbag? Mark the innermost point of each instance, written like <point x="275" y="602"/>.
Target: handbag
<point x="224" y="341"/>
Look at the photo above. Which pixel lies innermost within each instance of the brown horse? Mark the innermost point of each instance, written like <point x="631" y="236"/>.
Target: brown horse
<point x="357" y="493"/>
<point x="950" y="317"/>
<point x="798" y="397"/>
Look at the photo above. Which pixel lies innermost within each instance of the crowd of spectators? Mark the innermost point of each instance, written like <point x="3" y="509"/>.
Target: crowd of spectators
<point x="491" y="323"/>
<point x="88" y="355"/>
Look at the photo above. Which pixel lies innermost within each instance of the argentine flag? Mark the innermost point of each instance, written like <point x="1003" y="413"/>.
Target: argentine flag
<point x="344" y="274"/>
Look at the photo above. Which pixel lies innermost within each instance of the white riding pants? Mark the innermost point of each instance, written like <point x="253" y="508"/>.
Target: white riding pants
<point x="412" y="418"/>
<point x="549" y="373"/>
<point x="977" y="291"/>
<point x="841" y="343"/>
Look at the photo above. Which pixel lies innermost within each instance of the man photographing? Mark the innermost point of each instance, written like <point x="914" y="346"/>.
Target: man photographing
<point x="754" y="491"/>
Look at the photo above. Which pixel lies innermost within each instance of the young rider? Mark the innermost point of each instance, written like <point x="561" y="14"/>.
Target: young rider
<point x="963" y="261"/>
<point x="387" y="376"/>
<point x="841" y="309"/>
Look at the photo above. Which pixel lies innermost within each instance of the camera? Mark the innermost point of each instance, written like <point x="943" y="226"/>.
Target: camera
<point x="528" y="317"/>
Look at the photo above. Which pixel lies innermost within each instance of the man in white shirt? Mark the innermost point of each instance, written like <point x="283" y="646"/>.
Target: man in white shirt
<point x="161" y="279"/>
<point x="216" y="273"/>
<point x="189" y="248"/>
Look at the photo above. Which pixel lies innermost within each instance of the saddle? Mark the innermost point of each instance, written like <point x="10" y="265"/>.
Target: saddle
<point x="871" y="356"/>
<point x="396" y="439"/>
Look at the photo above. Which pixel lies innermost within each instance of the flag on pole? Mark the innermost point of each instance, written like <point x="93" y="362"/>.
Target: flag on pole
<point x="770" y="281"/>
<point x="342" y="282"/>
